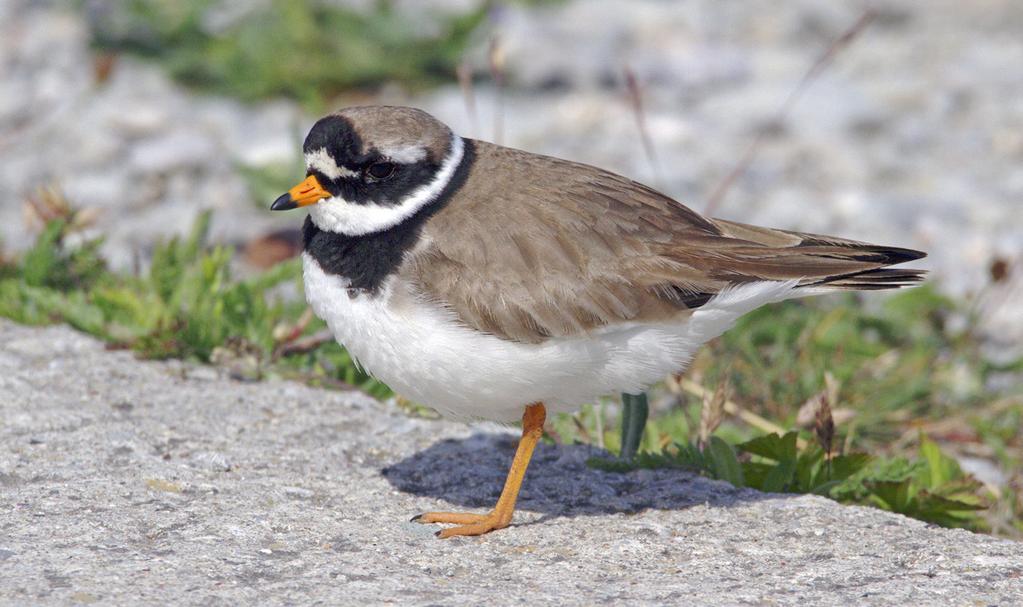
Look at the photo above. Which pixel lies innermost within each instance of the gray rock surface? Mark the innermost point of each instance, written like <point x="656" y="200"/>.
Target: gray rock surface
<point x="131" y="482"/>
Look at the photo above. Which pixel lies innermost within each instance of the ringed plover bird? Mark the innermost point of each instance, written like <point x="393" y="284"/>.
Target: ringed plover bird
<point x="492" y="283"/>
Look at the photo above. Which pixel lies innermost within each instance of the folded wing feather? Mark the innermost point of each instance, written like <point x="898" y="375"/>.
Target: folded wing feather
<point x="574" y="248"/>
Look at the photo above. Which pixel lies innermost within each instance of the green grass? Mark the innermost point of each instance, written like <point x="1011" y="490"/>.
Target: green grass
<point x="304" y="49"/>
<point x="930" y="487"/>
<point x="892" y="371"/>
<point x="187" y="305"/>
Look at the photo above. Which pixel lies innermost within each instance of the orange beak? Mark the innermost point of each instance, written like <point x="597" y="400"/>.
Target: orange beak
<point x="304" y="194"/>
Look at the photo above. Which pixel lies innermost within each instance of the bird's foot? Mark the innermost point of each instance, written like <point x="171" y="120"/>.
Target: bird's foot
<point x="501" y="516"/>
<point x="468" y="523"/>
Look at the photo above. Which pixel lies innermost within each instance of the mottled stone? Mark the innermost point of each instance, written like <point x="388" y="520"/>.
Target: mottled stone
<point x="125" y="481"/>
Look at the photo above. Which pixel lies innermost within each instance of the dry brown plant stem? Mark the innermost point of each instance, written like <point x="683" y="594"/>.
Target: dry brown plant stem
<point x="749" y="417"/>
<point x="823" y="61"/>
<point x="635" y="93"/>
<point x="495" y="57"/>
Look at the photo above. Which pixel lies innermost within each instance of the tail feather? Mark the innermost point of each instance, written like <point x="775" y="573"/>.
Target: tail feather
<point x="871" y="280"/>
<point x="817" y="262"/>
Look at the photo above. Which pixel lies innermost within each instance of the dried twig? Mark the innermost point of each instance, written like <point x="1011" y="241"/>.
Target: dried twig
<point x="818" y="67"/>
<point x="495" y="57"/>
<point x="636" y="101"/>
<point x="306" y="344"/>
<point x="807" y="411"/>
<point x="712" y="413"/>
<point x="731" y="408"/>
<point x="1005" y="285"/>
<point x="580" y="427"/>
<point x="48" y="203"/>
<point x="284" y="334"/>
<point x="554" y="435"/>
<point x="464" y="72"/>
<point x="824" y="425"/>
<point x="103" y="64"/>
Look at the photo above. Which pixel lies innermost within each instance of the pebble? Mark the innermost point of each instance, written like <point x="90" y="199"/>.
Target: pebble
<point x="212" y="461"/>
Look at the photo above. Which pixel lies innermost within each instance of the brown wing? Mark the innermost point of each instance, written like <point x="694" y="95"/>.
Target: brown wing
<point x="554" y="248"/>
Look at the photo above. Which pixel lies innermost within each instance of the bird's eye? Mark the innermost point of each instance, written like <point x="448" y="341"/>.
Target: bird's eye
<point x="380" y="170"/>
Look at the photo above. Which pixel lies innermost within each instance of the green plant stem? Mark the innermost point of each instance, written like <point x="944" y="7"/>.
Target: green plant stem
<point x="635" y="410"/>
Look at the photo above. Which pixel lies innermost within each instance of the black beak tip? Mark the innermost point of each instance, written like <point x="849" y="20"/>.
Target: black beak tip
<point x="283" y="203"/>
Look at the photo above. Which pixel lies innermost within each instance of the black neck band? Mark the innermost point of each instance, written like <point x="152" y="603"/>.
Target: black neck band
<point x="367" y="260"/>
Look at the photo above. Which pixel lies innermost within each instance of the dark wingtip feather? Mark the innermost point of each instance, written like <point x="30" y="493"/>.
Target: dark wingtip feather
<point x="873" y="280"/>
<point x="888" y="256"/>
<point x="896" y="255"/>
<point x="861" y="251"/>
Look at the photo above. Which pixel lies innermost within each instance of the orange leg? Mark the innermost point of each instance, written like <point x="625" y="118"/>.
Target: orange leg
<point x="501" y="515"/>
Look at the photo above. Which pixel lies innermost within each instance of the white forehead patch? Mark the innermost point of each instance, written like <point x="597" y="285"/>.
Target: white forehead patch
<point x="343" y="217"/>
<point x="324" y="163"/>
<point x="405" y="154"/>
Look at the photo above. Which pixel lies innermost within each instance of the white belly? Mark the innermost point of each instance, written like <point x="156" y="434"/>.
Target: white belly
<point x="423" y="353"/>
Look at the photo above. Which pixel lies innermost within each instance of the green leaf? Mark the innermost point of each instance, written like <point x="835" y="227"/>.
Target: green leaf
<point x="610" y="464"/>
<point x="780" y="476"/>
<point x="689" y="456"/>
<point x="197" y="237"/>
<point x="935" y="503"/>
<point x="724" y="463"/>
<point x="823" y="488"/>
<point x="810" y="469"/>
<point x="772" y="446"/>
<point x="845" y="466"/>
<point x="755" y="474"/>
<point x="40" y="263"/>
<point x="892" y="495"/>
<point x="941" y="469"/>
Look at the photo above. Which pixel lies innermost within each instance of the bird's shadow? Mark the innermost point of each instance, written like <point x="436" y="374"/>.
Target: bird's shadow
<point x="470" y="473"/>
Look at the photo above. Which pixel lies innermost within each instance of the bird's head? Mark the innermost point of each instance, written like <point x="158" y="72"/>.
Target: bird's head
<point x="369" y="168"/>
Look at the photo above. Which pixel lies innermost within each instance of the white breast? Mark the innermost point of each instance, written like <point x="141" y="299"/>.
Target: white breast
<point x="422" y="352"/>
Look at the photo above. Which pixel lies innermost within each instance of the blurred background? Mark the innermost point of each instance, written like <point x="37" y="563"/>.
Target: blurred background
<point x="149" y="111"/>
<point x="894" y="122"/>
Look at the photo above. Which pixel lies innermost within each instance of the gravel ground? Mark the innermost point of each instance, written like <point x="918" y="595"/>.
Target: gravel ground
<point x="913" y="137"/>
<point x="131" y="482"/>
